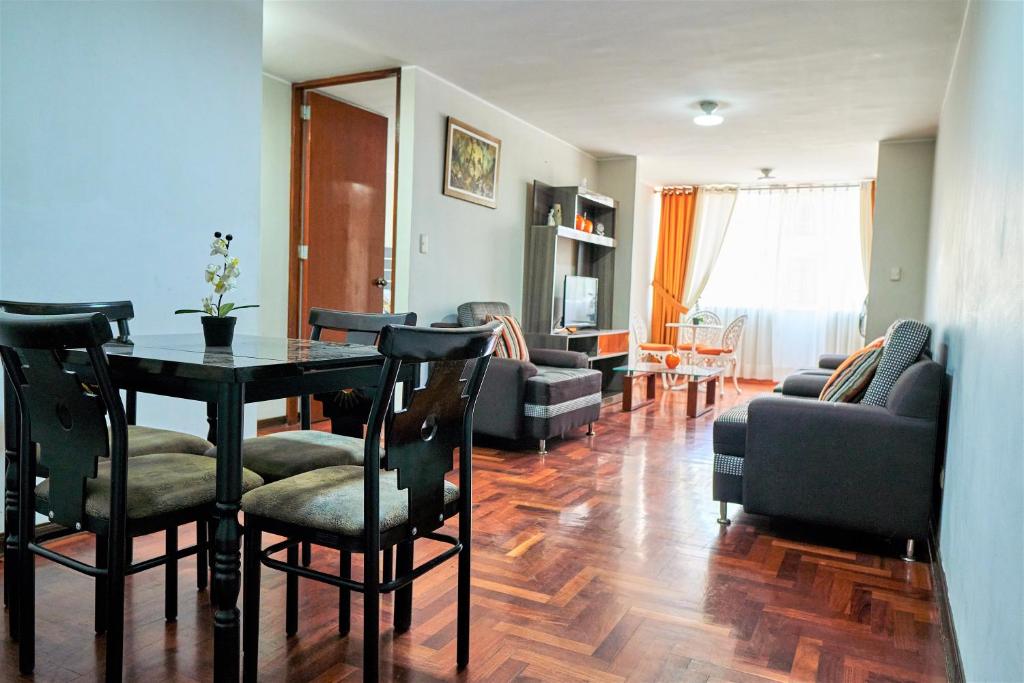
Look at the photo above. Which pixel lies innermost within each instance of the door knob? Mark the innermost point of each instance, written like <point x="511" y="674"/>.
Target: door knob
<point x="380" y="282"/>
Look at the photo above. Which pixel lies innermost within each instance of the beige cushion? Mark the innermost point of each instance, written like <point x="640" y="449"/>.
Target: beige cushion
<point x="158" y="484"/>
<point x="146" y="440"/>
<point x="331" y="500"/>
<point x="285" y="454"/>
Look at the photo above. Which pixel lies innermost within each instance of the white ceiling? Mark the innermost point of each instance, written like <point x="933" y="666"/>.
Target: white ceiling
<point x="807" y="87"/>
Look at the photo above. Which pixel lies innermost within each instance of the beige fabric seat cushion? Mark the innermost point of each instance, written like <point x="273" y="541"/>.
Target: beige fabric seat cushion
<point x="146" y="440"/>
<point x="285" y="454"/>
<point x="331" y="500"/>
<point x="158" y="484"/>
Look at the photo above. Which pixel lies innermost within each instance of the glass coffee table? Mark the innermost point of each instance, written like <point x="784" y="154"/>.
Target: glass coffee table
<point x="638" y="380"/>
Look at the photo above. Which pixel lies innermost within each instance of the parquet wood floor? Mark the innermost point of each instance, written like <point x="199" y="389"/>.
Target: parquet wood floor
<point x="600" y="561"/>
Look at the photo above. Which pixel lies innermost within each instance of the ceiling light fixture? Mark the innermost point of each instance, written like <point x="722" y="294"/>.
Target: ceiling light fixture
<point x="709" y="117"/>
<point x="766" y="174"/>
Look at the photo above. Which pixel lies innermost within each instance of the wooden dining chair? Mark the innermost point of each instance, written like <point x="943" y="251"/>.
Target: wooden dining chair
<point x="141" y="441"/>
<point x="356" y="509"/>
<point x="285" y="454"/>
<point x="92" y="484"/>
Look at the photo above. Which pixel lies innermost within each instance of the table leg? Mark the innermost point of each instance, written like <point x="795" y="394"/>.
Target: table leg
<point x="11" y="436"/>
<point x="227" y="575"/>
<point x="691" y="398"/>
<point x="709" y="399"/>
<point x="631" y="387"/>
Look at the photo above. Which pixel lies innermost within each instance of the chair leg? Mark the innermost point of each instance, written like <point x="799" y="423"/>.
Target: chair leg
<point x="345" y="595"/>
<point x="371" y="618"/>
<point x="100" y="597"/>
<point x="388" y="564"/>
<point x="723" y="513"/>
<point x="462" y="619"/>
<point x="171" y="574"/>
<point x="291" y="618"/>
<point x="26" y="592"/>
<point x="251" y="603"/>
<point x="202" y="563"/>
<point x="735" y="377"/>
<point x="211" y="533"/>
<point x="117" y="561"/>
<point x="307" y="553"/>
<point x="403" y="596"/>
<point x="542" y="446"/>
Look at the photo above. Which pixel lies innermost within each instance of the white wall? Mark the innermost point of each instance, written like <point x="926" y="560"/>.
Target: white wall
<point x="900" y="237"/>
<point x="645" y="246"/>
<point x="131" y="131"/>
<point x="475" y="253"/>
<point x="975" y="304"/>
<point x="275" y="180"/>
<point x="617" y="178"/>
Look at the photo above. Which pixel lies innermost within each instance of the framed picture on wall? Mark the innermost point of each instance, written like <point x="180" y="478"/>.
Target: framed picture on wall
<point x="471" y="163"/>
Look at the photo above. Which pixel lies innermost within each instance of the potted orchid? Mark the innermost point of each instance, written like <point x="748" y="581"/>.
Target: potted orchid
<point x="218" y="326"/>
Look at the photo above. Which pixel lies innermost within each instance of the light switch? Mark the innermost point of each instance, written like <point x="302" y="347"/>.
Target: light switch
<point x="896" y="274"/>
<point x="423" y="243"/>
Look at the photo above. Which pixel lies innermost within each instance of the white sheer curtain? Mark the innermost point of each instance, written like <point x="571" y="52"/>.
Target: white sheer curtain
<point x="791" y="261"/>
<point x="714" y="211"/>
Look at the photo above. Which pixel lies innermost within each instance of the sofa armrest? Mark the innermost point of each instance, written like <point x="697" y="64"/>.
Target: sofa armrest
<point x="843" y="464"/>
<point x="556" y="358"/>
<point x="499" y="408"/>
<point x="831" y="361"/>
<point x="804" y="385"/>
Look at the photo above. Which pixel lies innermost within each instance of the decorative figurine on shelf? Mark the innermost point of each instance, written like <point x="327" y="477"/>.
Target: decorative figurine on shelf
<point x="599" y="229"/>
<point x="557" y="211"/>
<point x="551" y="217"/>
<point x="218" y="326"/>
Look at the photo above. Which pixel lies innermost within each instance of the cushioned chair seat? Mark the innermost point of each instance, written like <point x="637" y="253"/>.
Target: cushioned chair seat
<point x="285" y="454"/>
<point x="712" y="350"/>
<point x="331" y="500"/>
<point x="158" y="484"/>
<point x="687" y="347"/>
<point x="146" y="440"/>
<point x="552" y="386"/>
<point x="651" y="346"/>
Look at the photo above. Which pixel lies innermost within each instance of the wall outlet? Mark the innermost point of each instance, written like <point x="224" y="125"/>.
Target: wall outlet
<point x="423" y="243"/>
<point x="896" y="274"/>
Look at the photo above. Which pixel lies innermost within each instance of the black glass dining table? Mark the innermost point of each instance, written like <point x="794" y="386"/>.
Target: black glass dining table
<point x="252" y="369"/>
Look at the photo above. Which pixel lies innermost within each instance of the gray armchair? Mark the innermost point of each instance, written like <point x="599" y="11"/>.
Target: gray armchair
<point x="553" y="392"/>
<point x="852" y="465"/>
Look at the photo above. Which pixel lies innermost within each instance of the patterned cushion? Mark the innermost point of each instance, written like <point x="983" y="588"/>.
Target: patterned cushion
<point x="511" y="343"/>
<point x="285" y="454"/>
<point x="331" y="499"/>
<point x="851" y="378"/>
<point x="904" y="342"/>
<point x="475" y="313"/>
<point x="158" y="484"/>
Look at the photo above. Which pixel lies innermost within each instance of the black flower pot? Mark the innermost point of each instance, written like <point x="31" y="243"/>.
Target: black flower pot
<point x="218" y="331"/>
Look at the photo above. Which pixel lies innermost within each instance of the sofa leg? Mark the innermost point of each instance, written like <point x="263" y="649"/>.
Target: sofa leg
<point x="590" y="429"/>
<point x="723" y="513"/>
<point x="908" y="555"/>
<point x="542" y="446"/>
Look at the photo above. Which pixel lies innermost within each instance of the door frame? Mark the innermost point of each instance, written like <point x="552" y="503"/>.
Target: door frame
<point x="300" y="137"/>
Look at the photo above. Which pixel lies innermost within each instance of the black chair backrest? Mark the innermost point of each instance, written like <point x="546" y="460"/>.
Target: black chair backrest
<point x="117" y="312"/>
<point x="420" y="440"/>
<point x="361" y="328"/>
<point x="59" y="412"/>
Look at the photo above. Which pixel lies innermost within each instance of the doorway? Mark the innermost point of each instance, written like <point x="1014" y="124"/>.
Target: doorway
<point x="343" y="195"/>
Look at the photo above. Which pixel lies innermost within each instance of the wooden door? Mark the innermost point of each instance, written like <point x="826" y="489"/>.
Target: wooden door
<point x="344" y="200"/>
<point x="344" y="196"/>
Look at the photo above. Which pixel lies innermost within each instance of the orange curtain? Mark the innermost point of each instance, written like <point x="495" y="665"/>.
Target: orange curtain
<point x="675" y="239"/>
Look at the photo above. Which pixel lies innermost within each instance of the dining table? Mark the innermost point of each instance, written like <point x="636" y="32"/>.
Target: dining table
<point x="252" y="369"/>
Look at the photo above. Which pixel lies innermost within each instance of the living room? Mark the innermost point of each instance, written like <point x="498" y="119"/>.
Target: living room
<point x="751" y="275"/>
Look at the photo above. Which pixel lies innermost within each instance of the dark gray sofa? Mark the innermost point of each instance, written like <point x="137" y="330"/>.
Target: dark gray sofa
<point x="851" y="465"/>
<point x="552" y="393"/>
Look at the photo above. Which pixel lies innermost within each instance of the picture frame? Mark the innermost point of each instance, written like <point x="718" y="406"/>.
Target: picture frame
<point x="472" y="161"/>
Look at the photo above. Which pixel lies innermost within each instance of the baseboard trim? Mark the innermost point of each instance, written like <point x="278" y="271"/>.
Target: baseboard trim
<point x="950" y="646"/>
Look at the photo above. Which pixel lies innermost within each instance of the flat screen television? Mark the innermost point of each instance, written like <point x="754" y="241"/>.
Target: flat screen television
<point x="579" y="301"/>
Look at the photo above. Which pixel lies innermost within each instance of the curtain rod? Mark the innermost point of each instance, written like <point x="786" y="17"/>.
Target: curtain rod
<point x="776" y="186"/>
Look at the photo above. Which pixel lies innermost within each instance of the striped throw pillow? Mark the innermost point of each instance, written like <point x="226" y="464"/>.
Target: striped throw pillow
<point x="851" y="379"/>
<point x="511" y="343"/>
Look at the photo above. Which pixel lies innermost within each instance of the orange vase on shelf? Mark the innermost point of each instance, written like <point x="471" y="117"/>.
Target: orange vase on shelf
<point x="588" y="225"/>
<point x="579" y="222"/>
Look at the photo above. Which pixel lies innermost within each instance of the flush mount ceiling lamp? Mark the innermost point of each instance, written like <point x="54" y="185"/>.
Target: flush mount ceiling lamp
<point x="766" y="174"/>
<point x="709" y="117"/>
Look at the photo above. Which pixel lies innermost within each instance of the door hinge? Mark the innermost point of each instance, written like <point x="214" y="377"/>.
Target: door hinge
<point x="305" y="112"/>
<point x="303" y="252"/>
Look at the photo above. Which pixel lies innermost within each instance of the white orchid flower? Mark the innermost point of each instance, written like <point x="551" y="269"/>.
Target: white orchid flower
<point x="219" y="247"/>
<point x="211" y="272"/>
<point x="208" y="305"/>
